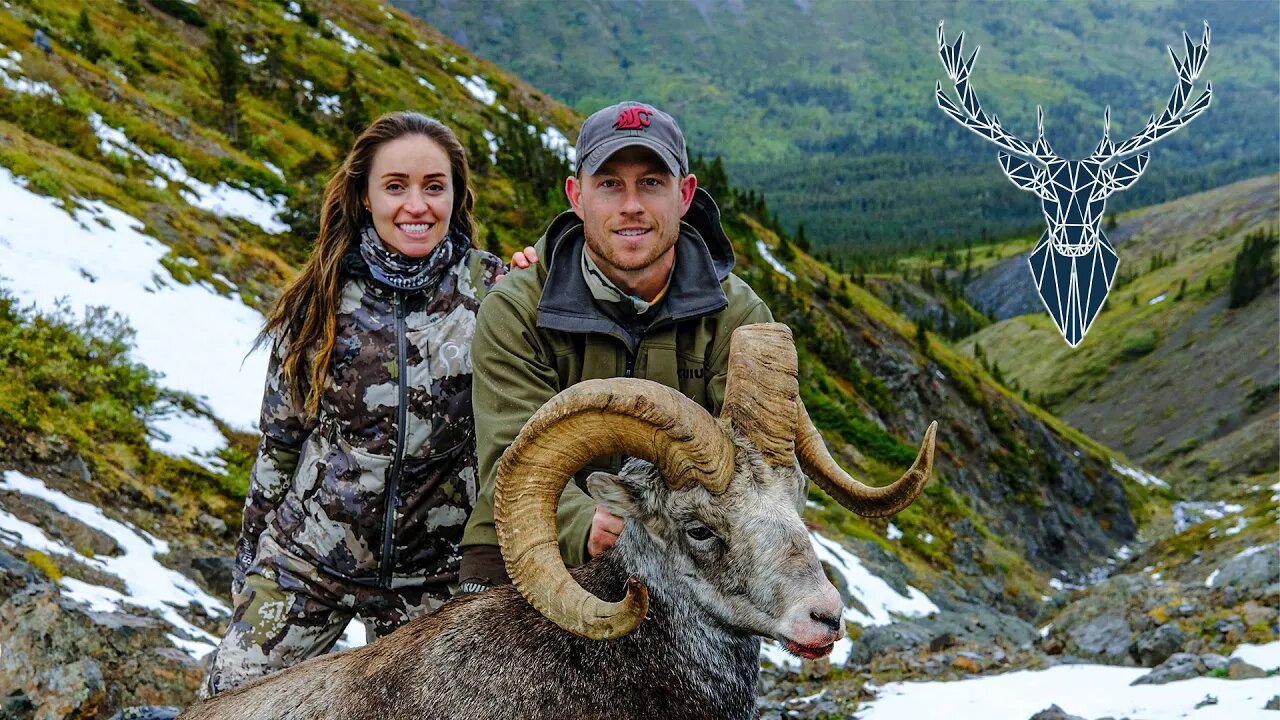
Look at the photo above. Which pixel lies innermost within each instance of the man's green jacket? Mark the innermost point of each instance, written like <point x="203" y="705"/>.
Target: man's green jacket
<point x="540" y="331"/>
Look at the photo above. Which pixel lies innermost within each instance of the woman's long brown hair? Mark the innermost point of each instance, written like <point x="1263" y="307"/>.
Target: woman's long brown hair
<point x="305" y="316"/>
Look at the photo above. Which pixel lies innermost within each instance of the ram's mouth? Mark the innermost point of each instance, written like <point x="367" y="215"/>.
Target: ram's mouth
<point x="808" y="652"/>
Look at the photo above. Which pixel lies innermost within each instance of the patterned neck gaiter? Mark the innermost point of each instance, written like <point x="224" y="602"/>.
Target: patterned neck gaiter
<point x="405" y="273"/>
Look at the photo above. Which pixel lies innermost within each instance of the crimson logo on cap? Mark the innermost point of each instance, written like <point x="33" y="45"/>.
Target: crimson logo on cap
<point x="633" y="118"/>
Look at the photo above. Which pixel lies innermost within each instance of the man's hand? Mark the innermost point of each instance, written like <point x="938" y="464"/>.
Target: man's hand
<point x="605" y="529"/>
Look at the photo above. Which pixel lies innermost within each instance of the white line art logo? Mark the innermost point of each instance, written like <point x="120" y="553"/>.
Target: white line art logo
<point x="1074" y="264"/>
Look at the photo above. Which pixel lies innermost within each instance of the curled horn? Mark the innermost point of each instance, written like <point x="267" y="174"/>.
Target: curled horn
<point x="591" y="419"/>
<point x="862" y="499"/>
<point x="762" y="388"/>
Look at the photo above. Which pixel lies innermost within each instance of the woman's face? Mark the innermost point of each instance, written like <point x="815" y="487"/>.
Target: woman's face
<point x="410" y="194"/>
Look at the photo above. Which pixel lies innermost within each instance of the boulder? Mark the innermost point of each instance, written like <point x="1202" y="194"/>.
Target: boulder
<point x="1241" y="670"/>
<point x="1055" y="713"/>
<point x="1155" y="646"/>
<point x="1179" y="666"/>
<point x="1253" y="574"/>
<point x="1105" y="639"/>
<point x="66" y="659"/>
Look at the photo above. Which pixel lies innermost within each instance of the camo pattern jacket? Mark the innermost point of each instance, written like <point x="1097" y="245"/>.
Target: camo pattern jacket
<point x="377" y="487"/>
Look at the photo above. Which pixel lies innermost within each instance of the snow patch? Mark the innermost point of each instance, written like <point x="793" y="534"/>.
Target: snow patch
<point x="1141" y="477"/>
<point x="249" y="57"/>
<point x="1019" y="695"/>
<point x="478" y="88"/>
<point x="773" y="262"/>
<point x="492" y="140"/>
<point x="198" y="340"/>
<point x="893" y="533"/>
<point x="1157" y="299"/>
<point x="20" y="84"/>
<point x="223" y="199"/>
<point x="182" y="433"/>
<point x="329" y="104"/>
<point x="1192" y="512"/>
<point x="350" y="42"/>
<point x="556" y="142"/>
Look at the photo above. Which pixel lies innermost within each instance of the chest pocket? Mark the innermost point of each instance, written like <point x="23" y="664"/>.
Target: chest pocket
<point x="438" y="374"/>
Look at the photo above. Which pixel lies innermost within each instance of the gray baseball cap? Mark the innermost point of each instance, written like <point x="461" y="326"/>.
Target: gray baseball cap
<point x="631" y="123"/>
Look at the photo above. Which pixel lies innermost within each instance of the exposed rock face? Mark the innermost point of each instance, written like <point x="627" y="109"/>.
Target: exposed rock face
<point x="1097" y="627"/>
<point x="964" y="625"/>
<point x="1251" y="574"/>
<point x="65" y="661"/>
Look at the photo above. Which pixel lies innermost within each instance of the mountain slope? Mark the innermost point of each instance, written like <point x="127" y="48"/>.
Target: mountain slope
<point x="827" y="107"/>
<point x="125" y="184"/>
<point x="1169" y="374"/>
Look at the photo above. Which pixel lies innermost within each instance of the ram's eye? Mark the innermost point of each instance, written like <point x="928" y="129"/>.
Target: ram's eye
<point x="700" y="533"/>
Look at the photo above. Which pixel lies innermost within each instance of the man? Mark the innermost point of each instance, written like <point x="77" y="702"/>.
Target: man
<point x="635" y="282"/>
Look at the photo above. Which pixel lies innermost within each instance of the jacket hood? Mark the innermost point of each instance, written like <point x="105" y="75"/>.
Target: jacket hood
<point x="703" y="252"/>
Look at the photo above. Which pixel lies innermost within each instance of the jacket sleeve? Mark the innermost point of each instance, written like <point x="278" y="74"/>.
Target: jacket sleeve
<point x="513" y="377"/>
<point x="285" y="427"/>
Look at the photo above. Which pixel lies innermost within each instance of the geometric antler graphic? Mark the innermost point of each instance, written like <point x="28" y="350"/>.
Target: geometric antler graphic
<point x="1074" y="265"/>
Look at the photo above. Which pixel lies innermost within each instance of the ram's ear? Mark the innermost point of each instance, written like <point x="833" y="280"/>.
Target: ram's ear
<point x="615" y="493"/>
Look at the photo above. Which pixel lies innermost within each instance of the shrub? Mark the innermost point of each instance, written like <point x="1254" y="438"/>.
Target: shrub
<point x="1138" y="344"/>
<point x="180" y="10"/>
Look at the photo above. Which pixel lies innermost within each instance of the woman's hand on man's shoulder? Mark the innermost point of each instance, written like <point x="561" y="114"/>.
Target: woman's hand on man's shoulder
<point x="522" y="259"/>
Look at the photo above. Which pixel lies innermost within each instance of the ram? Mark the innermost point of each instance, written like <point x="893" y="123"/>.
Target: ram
<point x="667" y="624"/>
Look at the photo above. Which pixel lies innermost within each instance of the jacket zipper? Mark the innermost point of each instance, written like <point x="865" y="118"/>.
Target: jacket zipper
<point x="402" y="417"/>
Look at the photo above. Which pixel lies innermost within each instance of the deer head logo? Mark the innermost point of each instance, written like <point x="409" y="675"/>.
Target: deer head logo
<point x="1074" y="264"/>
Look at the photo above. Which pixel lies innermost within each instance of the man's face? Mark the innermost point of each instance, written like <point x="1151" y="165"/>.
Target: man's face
<point x="630" y="210"/>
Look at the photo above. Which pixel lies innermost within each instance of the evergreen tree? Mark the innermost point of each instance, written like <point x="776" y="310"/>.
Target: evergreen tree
<point x="922" y="335"/>
<point x="801" y="241"/>
<point x="785" y="253"/>
<point x="996" y="374"/>
<point x="87" y="37"/>
<point x="1182" y="290"/>
<point x="355" y="116"/>
<point x="1254" y="268"/>
<point x="229" y="76"/>
<point x="492" y="242"/>
<point x="981" y="356"/>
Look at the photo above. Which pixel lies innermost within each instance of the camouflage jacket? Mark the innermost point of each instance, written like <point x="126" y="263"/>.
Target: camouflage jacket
<point x="377" y="488"/>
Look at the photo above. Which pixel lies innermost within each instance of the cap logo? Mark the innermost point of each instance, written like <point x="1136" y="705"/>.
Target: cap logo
<point x="633" y="118"/>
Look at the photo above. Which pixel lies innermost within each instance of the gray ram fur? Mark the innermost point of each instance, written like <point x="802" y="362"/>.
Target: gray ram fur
<point x="492" y="655"/>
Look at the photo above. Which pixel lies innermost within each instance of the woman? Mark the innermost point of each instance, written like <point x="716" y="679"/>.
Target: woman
<point x="366" y="471"/>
